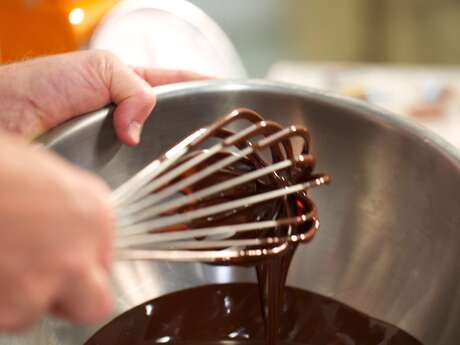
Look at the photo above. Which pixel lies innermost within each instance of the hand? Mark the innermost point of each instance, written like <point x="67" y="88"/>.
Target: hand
<point x="56" y="230"/>
<point x="39" y="94"/>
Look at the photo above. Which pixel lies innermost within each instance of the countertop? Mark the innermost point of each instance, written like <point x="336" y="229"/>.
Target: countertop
<point x="429" y="95"/>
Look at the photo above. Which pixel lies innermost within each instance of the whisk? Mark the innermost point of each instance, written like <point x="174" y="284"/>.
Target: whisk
<point x="234" y="190"/>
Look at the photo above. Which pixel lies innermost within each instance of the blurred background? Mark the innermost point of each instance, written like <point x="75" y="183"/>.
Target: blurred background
<point x="392" y="31"/>
<point x="401" y="55"/>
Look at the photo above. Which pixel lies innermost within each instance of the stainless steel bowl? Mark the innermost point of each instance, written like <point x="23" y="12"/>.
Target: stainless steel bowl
<point x="390" y="233"/>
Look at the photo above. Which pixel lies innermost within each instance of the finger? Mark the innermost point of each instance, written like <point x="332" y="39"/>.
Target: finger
<point x="24" y="296"/>
<point x="134" y="98"/>
<point x="86" y="299"/>
<point x="13" y="320"/>
<point x="156" y="76"/>
<point x="130" y="115"/>
<point x="100" y="193"/>
<point x="17" y="312"/>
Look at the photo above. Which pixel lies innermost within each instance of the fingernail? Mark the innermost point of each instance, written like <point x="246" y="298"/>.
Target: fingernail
<point x="134" y="131"/>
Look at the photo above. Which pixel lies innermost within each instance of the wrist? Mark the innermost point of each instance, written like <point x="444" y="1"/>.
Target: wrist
<point x="18" y="114"/>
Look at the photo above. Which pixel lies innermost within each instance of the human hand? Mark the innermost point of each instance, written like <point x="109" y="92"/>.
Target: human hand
<point x="56" y="229"/>
<point x="39" y="94"/>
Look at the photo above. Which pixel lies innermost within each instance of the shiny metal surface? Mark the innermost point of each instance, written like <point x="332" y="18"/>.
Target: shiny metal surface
<point x="390" y="237"/>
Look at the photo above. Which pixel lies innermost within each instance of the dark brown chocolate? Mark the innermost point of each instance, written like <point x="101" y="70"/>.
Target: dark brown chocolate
<point x="229" y="314"/>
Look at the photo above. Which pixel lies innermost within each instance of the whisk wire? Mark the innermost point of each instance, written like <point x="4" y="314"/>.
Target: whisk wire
<point x="162" y="210"/>
<point x="159" y="223"/>
<point x="150" y="208"/>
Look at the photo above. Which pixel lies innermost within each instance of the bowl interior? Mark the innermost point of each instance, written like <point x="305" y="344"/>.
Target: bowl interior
<point x="390" y="221"/>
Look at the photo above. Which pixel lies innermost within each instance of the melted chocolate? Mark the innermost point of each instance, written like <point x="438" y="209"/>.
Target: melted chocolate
<point x="229" y="314"/>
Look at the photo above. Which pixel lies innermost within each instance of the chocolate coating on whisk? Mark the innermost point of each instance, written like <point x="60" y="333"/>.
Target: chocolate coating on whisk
<point x="241" y="178"/>
<point x="266" y="200"/>
<point x="295" y="215"/>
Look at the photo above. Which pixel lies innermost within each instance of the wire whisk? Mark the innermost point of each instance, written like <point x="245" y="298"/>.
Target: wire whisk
<point x="235" y="190"/>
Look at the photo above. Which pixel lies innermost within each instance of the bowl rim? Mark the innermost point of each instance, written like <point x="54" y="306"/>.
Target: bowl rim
<point x="408" y="125"/>
<point x="430" y="138"/>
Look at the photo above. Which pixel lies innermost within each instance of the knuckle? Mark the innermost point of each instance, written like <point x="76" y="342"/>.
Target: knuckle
<point x="147" y="100"/>
<point x="74" y="269"/>
<point x="148" y="96"/>
<point x="97" y="185"/>
<point x="103" y="62"/>
<point x="29" y="293"/>
<point x="34" y="297"/>
<point x="106" y="55"/>
<point x="13" y="320"/>
<point x="103" y="214"/>
<point x="95" y="302"/>
<point x="27" y="288"/>
<point x="11" y="324"/>
<point x="182" y="75"/>
<point x="94" y="208"/>
<point x="102" y="306"/>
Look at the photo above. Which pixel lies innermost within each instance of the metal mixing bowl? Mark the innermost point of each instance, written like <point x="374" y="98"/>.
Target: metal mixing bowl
<point x="390" y="232"/>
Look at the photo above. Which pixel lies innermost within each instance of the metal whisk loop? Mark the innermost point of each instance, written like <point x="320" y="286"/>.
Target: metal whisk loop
<point x="151" y="200"/>
<point x="149" y="207"/>
<point x="162" y="222"/>
<point x="147" y="239"/>
<point x="215" y="196"/>
<point x="223" y="256"/>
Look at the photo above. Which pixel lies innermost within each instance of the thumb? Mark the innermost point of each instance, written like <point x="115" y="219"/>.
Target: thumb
<point x="134" y="98"/>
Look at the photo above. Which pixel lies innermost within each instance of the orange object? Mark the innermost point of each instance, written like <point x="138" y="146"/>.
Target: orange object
<point x="39" y="27"/>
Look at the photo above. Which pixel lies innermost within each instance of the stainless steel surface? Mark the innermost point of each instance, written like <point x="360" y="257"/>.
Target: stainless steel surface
<point x="390" y="236"/>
